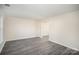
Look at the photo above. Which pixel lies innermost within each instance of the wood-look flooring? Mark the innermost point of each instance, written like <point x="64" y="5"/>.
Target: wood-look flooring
<point x="36" y="46"/>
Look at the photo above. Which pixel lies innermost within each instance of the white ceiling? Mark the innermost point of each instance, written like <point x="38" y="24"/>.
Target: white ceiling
<point x="39" y="10"/>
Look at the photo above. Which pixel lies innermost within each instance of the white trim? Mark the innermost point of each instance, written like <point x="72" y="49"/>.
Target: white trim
<point x="65" y="45"/>
<point x="21" y="38"/>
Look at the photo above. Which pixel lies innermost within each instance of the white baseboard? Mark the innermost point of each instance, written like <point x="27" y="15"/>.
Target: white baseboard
<point x="65" y="45"/>
<point x="21" y="38"/>
<point x="2" y="45"/>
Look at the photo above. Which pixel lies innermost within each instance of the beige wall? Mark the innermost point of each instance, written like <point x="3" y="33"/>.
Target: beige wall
<point x="64" y="30"/>
<point x="44" y="28"/>
<point x="18" y="28"/>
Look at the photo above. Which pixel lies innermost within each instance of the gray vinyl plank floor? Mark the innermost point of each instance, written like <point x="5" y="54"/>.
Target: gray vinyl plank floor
<point x="36" y="46"/>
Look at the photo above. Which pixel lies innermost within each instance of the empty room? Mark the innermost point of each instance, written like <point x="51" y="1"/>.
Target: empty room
<point x="39" y="29"/>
